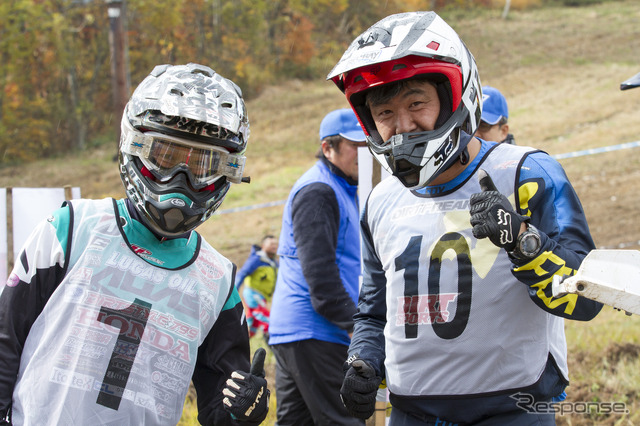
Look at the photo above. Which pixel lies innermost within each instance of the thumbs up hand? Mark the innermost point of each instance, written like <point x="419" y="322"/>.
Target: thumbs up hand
<point x="246" y="395"/>
<point x="493" y="216"/>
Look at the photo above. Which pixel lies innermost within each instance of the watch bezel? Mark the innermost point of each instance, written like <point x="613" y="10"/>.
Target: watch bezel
<point x="520" y="251"/>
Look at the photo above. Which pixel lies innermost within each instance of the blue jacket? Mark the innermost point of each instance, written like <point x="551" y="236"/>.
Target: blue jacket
<point x="319" y="248"/>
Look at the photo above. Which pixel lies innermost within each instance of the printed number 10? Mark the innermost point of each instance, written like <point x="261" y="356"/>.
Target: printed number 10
<point x="409" y="260"/>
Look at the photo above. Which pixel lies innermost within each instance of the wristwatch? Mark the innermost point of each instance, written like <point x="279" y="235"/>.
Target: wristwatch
<point x="528" y="244"/>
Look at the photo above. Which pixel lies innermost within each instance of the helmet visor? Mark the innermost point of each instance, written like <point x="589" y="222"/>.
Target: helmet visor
<point x="164" y="155"/>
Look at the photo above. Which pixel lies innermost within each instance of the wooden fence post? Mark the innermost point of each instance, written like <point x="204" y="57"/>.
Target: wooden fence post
<point x="68" y="194"/>
<point x="379" y="417"/>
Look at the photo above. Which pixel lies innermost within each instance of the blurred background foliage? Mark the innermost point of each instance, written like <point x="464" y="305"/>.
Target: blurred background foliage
<point x="55" y="57"/>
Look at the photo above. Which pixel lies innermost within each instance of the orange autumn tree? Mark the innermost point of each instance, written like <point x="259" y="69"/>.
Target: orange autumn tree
<point x="55" y="76"/>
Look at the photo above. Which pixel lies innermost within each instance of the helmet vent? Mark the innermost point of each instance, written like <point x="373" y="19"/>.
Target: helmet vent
<point x="173" y="218"/>
<point x="398" y="67"/>
<point x="203" y="72"/>
<point x="191" y="220"/>
<point x="154" y="212"/>
<point x="176" y="92"/>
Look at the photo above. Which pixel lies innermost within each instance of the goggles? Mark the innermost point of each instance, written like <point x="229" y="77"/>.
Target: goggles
<point x="163" y="155"/>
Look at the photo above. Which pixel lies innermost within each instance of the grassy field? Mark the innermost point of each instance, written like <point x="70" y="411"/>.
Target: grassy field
<point x="560" y="69"/>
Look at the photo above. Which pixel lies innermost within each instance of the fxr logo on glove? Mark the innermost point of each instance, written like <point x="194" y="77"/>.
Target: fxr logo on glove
<point x="244" y="393"/>
<point x="234" y="385"/>
<point x="248" y="412"/>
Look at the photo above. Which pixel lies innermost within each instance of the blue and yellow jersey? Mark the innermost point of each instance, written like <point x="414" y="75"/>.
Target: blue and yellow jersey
<point x="454" y="322"/>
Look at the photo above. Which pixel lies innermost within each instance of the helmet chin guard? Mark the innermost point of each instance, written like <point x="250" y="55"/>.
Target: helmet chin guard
<point x="418" y="158"/>
<point x="170" y="209"/>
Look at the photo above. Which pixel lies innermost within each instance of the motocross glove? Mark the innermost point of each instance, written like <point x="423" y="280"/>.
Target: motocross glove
<point x="246" y="396"/>
<point x="359" y="388"/>
<point x="493" y="216"/>
<point x="5" y="417"/>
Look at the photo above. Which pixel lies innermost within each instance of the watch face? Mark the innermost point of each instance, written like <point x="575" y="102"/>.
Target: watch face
<point x="530" y="244"/>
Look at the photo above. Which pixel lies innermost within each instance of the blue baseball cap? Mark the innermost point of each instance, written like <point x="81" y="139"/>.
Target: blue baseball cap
<point x="342" y="122"/>
<point x="494" y="105"/>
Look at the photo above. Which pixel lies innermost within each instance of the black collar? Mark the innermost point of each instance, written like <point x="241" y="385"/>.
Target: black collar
<point x="336" y="171"/>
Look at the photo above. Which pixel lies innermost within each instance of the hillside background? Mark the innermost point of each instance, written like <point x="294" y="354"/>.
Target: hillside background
<point x="559" y="67"/>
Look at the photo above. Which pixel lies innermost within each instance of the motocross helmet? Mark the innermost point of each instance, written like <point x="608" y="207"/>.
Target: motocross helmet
<point x="184" y="135"/>
<point x="410" y="46"/>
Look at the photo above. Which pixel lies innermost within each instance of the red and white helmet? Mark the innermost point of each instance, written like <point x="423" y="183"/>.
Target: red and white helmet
<point x="406" y="46"/>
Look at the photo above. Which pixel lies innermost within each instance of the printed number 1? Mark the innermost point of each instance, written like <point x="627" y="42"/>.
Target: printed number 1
<point x="132" y="321"/>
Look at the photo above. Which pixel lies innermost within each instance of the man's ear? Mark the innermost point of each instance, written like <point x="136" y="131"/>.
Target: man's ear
<point x="326" y="148"/>
<point x="504" y="131"/>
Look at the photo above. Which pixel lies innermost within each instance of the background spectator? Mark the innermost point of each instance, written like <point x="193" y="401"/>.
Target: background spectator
<point x="258" y="274"/>
<point x="317" y="287"/>
<point x="494" y="124"/>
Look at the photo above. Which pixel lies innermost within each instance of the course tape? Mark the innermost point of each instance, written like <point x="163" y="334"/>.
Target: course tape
<point x="253" y="207"/>
<point x="622" y="245"/>
<point x="557" y="157"/>
<point x="597" y="150"/>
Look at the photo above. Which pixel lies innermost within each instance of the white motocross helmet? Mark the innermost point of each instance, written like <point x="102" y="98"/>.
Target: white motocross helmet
<point x="184" y="135"/>
<point x="409" y="46"/>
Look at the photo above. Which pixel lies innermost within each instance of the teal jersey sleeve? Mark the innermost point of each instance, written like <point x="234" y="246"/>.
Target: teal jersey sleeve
<point x="61" y="222"/>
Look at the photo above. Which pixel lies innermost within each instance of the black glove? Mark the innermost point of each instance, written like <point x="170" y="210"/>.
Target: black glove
<point x="246" y="394"/>
<point x="493" y="216"/>
<point x="359" y="388"/>
<point x="5" y="417"/>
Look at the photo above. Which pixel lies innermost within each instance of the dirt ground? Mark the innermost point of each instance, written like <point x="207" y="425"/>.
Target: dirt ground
<point x="608" y="188"/>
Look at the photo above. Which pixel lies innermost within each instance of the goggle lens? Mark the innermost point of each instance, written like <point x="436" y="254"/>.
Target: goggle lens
<point x="163" y="155"/>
